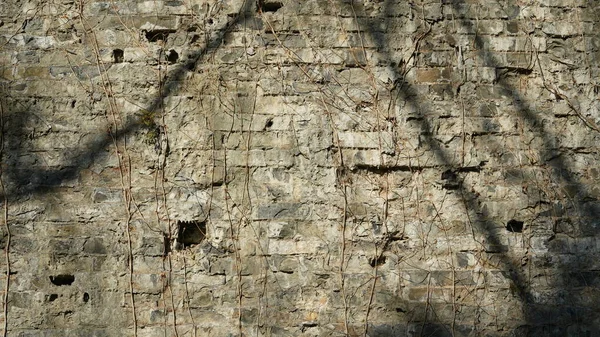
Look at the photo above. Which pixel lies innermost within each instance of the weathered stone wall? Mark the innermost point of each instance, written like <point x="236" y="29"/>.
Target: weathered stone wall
<point x="300" y="168"/>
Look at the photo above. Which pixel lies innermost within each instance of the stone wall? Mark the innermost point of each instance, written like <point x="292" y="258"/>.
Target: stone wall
<point x="300" y="168"/>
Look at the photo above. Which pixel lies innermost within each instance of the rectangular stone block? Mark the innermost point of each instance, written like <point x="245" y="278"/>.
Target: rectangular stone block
<point x="292" y="247"/>
<point x="430" y="294"/>
<point x="354" y="157"/>
<point x="149" y="283"/>
<point x="367" y="140"/>
<point x="260" y="158"/>
<point x="434" y="75"/>
<point x="281" y="211"/>
<point x="562" y="29"/>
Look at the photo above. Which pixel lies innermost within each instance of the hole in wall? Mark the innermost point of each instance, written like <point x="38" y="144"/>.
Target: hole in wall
<point x="269" y="124"/>
<point x="190" y="233"/>
<point x="24" y="25"/>
<point x="514" y="226"/>
<point x="377" y="261"/>
<point x="51" y="297"/>
<point x="117" y="55"/>
<point x="190" y="66"/>
<point x="86" y="297"/>
<point x="158" y="34"/>
<point x="450" y="180"/>
<point x="62" y="279"/>
<point x="448" y="175"/>
<point x="73" y="102"/>
<point x="172" y="56"/>
<point x="166" y="244"/>
<point x="269" y="6"/>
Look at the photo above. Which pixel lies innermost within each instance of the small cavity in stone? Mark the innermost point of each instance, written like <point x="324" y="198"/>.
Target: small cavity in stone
<point x="62" y="279"/>
<point x="172" y="56"/>
<point x="117" y="55"/>
<point x="271" y="6"/>
<point x="190" y="233"/>
<point x="514" y="226"/>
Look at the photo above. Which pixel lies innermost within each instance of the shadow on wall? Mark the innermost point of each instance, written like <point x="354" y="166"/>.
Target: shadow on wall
<point x="23" y="173"/>
<point x="562" y="308"/>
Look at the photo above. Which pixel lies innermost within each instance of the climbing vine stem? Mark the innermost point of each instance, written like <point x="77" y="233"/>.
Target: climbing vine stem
<point x="6" y="226"/>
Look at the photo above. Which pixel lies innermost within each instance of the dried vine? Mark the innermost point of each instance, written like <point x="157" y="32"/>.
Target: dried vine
<point x="124" y="161"/>
<point x="5" y="220"/>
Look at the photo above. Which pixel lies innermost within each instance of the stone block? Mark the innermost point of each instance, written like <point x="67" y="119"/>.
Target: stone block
<point x="491" y="27"/>
<point x="149" y="283"/>
<point x="367" y="140"/>
<point x="353" y="158"/>
<point x="151" y="246"/>
<point x="430" y="295"/>
<point x="562" y="29"/>
<point x="281" y="211"/>
<point x="292" y="247"/>
<point x="94" y="246"/>
<point x="260" y="158"/>
<point x="563" y="3"/>
<point x="434" y="75"/>
<point x="100" y="195"/>
<point x="281" y="230"/>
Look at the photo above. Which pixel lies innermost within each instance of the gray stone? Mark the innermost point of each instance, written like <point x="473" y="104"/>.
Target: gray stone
<point x="94" y="246"/>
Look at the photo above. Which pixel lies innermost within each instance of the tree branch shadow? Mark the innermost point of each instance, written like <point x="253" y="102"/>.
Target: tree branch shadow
<point x="541" y="318"/>
<point x="23" y="178"/>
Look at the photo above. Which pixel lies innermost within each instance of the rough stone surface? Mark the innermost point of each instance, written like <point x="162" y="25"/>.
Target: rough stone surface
<point x="361" y="168"/>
